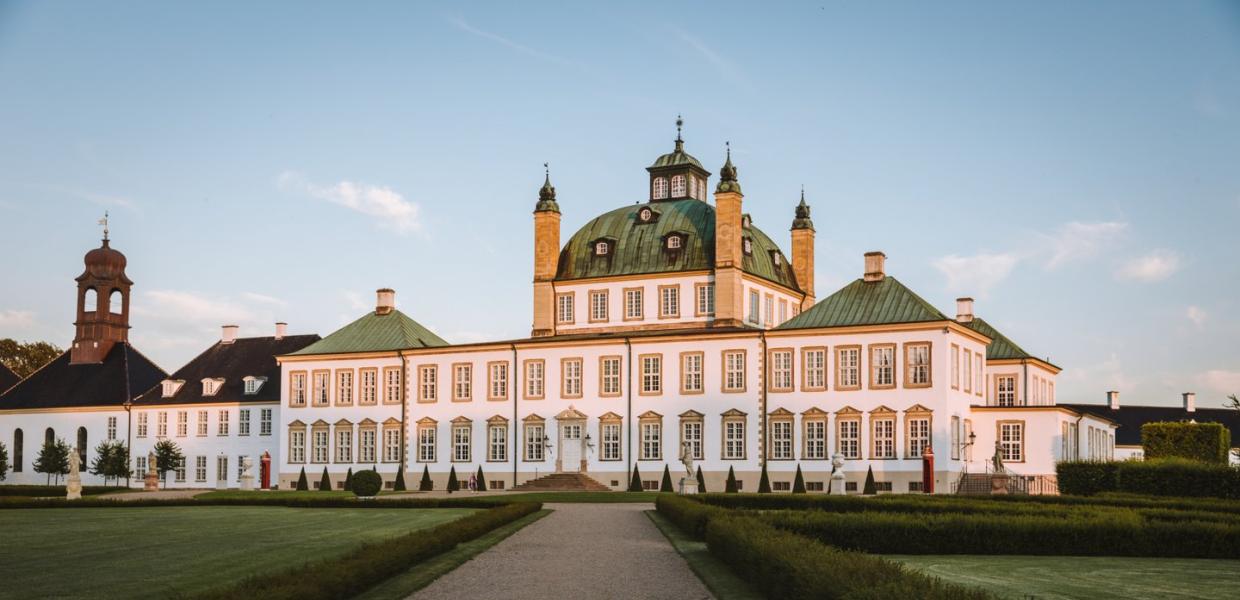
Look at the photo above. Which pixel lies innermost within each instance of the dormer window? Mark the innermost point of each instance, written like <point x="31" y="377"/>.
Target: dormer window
<point x="746" y="221"/>
<point x="747" y="246"/>
<point x="645" y="215"/>
<point x="253" y="384"/>
<point x="600" y="249"/>
<point x="171" y="387"/>
<point x="211" y="386"/>
<point x="660" y="188"/>
<point x="678" y="186"/>
<point x="673" y="242"/>
<point x="777" y="259"/>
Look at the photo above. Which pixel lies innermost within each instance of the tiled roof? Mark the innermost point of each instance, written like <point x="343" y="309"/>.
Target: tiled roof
<point x="867" y="303"/>
<point x="375" y="333"/>
<point x="639" y="247"/>
<point x="676" y="159"/>
<point x="244" y="357"/>
<point x="1001" y="347"/>
<point x="1131" y="418"/>
<point x="123" y="375"/>
<point x="7" y="378"/>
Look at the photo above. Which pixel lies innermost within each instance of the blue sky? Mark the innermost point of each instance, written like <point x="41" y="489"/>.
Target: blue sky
<point x="1073" y="166"/>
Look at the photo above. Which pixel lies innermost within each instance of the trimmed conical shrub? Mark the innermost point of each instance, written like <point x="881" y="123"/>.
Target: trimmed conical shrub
<point x="453" y="484"/>
<point x="701" y="481"/>
<point x="482" y="480"/>
<point x="764" y="483"/>
<point x="666" y="484"/>
<point x="348" y="479"/>
<point x="399" y="486"/>
<point x="635" y="484"/>
<point x="303" y="485"/>
<point x="426" y="485"/>
<point x="798" y="484"/>
<point x="730" y="487"/>
<point x="870" y="489"/>
<point x="325" y="482"/>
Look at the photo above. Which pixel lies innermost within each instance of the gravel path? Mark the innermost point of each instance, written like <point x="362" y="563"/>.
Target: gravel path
<point x="579" y="551"/>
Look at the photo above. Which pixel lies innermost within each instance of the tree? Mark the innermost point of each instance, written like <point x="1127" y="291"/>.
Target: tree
<point x="635" y="484"/>
<point x="119" y="466"/>
<point x="4" y="461"/>
<point x="399" y="486"/>
<point x="348" y="479"/>
<point x="453" y="484"/>
<point x="167" y="457"/>
<point x="26" y="358"/>
<point x="869" y="489"/>
<point x="730" y="487"/>
<point x="482" y="480"/>
<point x="666" y="484"/>
<point x="426" y="485"/>
<point x="798" y="484"/>
<point x="325" y="482"/>
<point x="303" y="485"/>
<point x="53" y="459"/>
<point x="701" y="481"/>
<point x="1233" y="402"/>
<point x="102" y="466"/>
<point x="764" y="483"/>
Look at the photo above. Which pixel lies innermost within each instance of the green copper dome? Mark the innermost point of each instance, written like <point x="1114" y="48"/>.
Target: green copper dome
<point x="637" y="247"/>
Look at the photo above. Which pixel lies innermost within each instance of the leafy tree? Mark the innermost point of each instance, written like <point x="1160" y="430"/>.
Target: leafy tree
<point x="426" y="485"/>
<point x="26" y="358"/>
<point x="798" y="484"/>
<point x="325" y="482"/>
<point x="666" y="484"/>
<point x="764" y="484"/>
<point x="701" y="481"/>
<point x="348" y="479"/>
<point x="4" y="461"/>
<point x="105" y="462"/>
<point x="730" y="487"/>
<point x="453" y="484"/>
<point x="869" y="489"/>
<point x="119" y="467"/>
<point x="167" y="457"/>
<point x="399" y="486"/>
<point x="303" y="485"/>
<point x="482" y="480"/>
<point x="635" y="484"/>
<point x="53" y="459"/>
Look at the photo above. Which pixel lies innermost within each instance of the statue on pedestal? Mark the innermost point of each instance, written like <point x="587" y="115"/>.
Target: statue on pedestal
<point x="151" y="483"/>
<point x="837" y="474"/>
<point x="999" y="477"/>
<point x="247" y="474"/>
<point x="73" y="486"/>
<point x="688" y="483"/>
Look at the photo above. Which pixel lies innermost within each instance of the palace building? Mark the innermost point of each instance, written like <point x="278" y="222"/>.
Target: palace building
<point x="673" y="323"/>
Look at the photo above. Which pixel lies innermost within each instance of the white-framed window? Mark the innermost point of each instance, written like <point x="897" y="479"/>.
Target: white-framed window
<point x="678" y="186"/>
<point x="497" y="443"/>
<point x="318" y="440"/>
<point x="571" y="372"/>
<point x="224" y="422"/>
<point x="691" y="431"/>
<point x="918" y="364"/>
<point x="884" y="432"/>
<point x="202" y="423"/>
<point x="142" y="424"/>
<point x="200" y="469"/>
<point x="535" y="371"/>
<point x="691" y="372"/>
<point x="611" y="441"/>
<point x="321" y="382"/>
<point x="366" y="444"/>
<point x="111" y="428"/>
<point x="955" y="367"/>
<point x="770" y="309"/>
<point x="882" y="366"/>
<point x="179" y="471"/>
<point x="462" y="381"/>
<point x="781" y="440"/>
<point x="815" y="368"/>
<point x="297" y="388"/>
<point x="747" y="246"/>
<point x="955" y="438"/>
<point x="609" y="367"/>
<point x="170" y="388"/>
<point x="755" y="307"/>
<point x="601" y="248"/>
<point x="1005" y="390"/>
<point x="344" y="443"/>
<point x="706" y="299"/>
<point x="564" y="308"/>
<point x="161" y="424"/>
<point x="344" y="387"/>
<point x="781" y="369"/>
<point x="534" y="434"/>
<point x="783" y="304"/>
<point x="669" y="301"/>
<point x="428" y="383"/>
<point x="701" y="189"/>
<point x="296" y="446"/>
<point x="848" y="361"/>
<point x="370" y="386"/>
<point x="850" y="438"/>
<point x="733" y="439"/>
<point x="183" y="423"/>
<point x="391" y="386"/>
<point x="252" y="385"/>
<point x="660" y="188"/>
<point x="652" y="374"/>
<point x="221" y="468"/>
<point x="918" y="436"/>
<point x="1012" y="441"/>
<point x="978" y="374"/>
<point x="498" y="376"/>
<point x="598" y="305"/>
<point x="968" y="372"/>
<point x="240" y="465"/>
<point x="391" y="444"/>
<point x="815" y="439"/>
<point x="633" y="303"/>
<point x="673" y="242"/>
<point x="211" y="387"/>
<point x="264" y="422"/>
<point x="462" y="443"/>
<point x="426" y="443"/>
<point x="733" y="370"/>
<point x="652" y="441"/>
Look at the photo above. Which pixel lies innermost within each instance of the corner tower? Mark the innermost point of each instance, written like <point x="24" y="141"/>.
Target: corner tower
<point x="102" y="304"/>
<point x="803" y="251"/>
<point x="546" y="254"/>
<point x="728" y="254"/>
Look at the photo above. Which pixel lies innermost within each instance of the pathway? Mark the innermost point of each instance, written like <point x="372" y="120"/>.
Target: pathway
<point x="578" y="551"/>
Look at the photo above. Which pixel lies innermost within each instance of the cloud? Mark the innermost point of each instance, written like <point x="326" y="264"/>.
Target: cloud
<point x="1155" y="266"/>
<point x="975" y="274"/>
<point x="1075" y="241"/>
<point x="460" y="23"/>
<point x="11" y="319"/>
<point x="1223" y="382"/>
<point x="1106" y="375"/>
<point x="1197" y="315"/>
<point x="388" y="207"/>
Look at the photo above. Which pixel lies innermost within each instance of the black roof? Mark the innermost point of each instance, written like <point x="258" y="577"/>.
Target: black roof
<point x="1131" y="418"/>
<point x="123" y="374"/>
<point x="7" y="378"/>
<point x="244" y="357"/>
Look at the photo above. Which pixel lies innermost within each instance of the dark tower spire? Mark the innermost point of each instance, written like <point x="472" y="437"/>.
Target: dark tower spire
<point x="727" y="175"/>
<point x="546" y="194"/>
<point x="802" y="220"/>
<point x="680" y="144"/>
<point x="102" y="303"/>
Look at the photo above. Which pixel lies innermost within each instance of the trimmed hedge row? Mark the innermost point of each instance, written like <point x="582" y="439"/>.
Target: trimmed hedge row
<point x="1165" y="477"/>
<point x="1112" y="535"/>
<point x="1204" y="442"/>
<point x="371" y="564"/>
<point x="1128" y="501"/>
<point x="260" y="500"/>
<point x="56" y="490"/>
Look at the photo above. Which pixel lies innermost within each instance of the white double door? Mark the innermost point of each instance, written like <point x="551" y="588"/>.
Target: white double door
<point x="570" y="447"/>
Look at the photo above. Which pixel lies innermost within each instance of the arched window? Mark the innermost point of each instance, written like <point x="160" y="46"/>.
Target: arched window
<point x="673" y="242"/>
<point x="90" y="301"/>
<point x="660" y="188"/>
<point x="702" y="189"/>
<point x="693" y="186"/>
<point x="115" y="302"/>
<point x="81" y="447"/>
<point x="49" y="436"/>
<point x="18" y="440"/>
<point x="678" y="186"/>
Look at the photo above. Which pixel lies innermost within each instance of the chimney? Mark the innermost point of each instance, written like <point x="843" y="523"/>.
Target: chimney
<point x="229" y="334"/>
<point x="385" y="301"/>
<point x="1113" y="399"/>
<point x="281" y="330"/>
<point x="874" y="265"/>
<point x="1190" y="402"/>
<point x="964" y="310"/>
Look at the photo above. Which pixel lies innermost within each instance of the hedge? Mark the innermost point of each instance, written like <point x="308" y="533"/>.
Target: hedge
<point x="58" y="490"/>
<point x="265" y="500"/>
<point x="371" y="564"/>
<point x="1214" y="505"/>
<point x="1204" y="442"/>
<point x="1112" y="535"/>
<point x="1163" y="477"/>
<point x="1086" y="477"/>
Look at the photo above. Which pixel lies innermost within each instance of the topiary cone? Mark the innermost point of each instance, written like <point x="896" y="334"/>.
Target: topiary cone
<point x="764" y="483"/>
<point x="453" y="484"/>
<point x="701" y="481"/>
<point x="399" y="486"/>
<point x="666" y="484"/>
<point x="730" y="487"/>
<point x="482" y="480"/>
<point x="425" y="485"/>
<point x="798" y="484"/>
<point x="348" y="479"/>
<point x="302" y="484"/>
<point x="325" y="482"/>
<point x="870" y="489"/>
<point x="635" y="484"/>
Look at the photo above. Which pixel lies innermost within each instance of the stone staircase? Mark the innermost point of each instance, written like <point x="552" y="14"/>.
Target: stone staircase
<point x="974" y="484"/>
<point x="562" y="482"/>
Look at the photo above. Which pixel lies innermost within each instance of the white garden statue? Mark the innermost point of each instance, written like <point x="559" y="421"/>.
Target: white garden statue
<point x="247" y="474"/>
<point x="837" y="474"/>
<point x="73" y="486"/>
<point x="688" y="483"/>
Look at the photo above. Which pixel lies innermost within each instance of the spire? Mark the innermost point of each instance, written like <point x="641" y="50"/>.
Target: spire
<point x="546" y="194"/>
<point x="802" y="220"/>
<point x="727" y="175"/>
<point x="680" y="144"/>
<point x="104" y="222"/>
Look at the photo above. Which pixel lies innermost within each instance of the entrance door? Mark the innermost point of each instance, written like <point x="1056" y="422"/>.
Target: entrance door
<point x="570" y="447"/>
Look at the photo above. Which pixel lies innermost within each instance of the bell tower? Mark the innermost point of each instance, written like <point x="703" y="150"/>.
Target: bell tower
<point x="102" y="304"/>
<point x="546" y="257"/>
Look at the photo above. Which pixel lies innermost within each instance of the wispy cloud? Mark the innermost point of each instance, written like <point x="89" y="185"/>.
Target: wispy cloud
<point x="180" y="323"/>
<point x="1155" y="266"/>
<point x="1197" y="315"/>
<point x="724" y="67"/>
<point x="461" y="24"/>
<point x="976" y="274"/>
<point x="1075" y="241"/>
<point x="1107" y="374"/>
<point x="390" y="209"/>
<point x="11" y="319"/>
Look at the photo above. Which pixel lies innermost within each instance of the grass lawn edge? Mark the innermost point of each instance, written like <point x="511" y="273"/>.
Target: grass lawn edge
<point x="718" y="578"/>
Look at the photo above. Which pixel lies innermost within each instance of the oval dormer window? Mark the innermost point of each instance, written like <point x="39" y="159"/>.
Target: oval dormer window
<point x="644" y="215"/>
<point x="678" y="186"/>
<point x="777" y="259"/>
<point x="660" y="188"/>
<point x="747" y="246"/>
<point x="746" y="221"/>
<point x="600" y="248"/>
<point x="673" y="242"/>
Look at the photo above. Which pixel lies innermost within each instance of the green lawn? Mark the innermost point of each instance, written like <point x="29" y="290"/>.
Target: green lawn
<point x="158" y="552"/>
<point x="1058" y="577"/>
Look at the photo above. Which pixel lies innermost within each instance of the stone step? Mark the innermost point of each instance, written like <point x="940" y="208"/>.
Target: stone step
<point x="563" y="482"/>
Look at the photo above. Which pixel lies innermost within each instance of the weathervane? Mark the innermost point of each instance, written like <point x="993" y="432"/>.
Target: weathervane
<point x="104" y="222"/>
<point x="547" y="167"/>
<point x="679" y="123"/>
